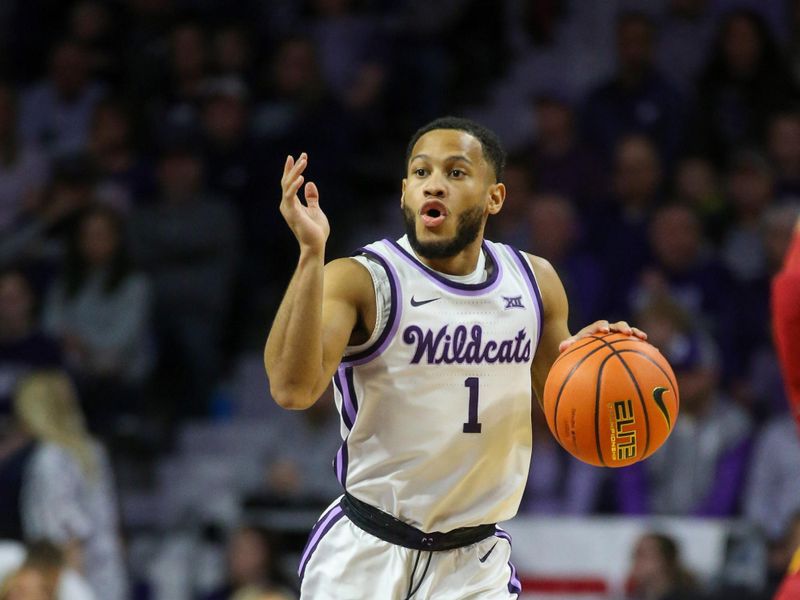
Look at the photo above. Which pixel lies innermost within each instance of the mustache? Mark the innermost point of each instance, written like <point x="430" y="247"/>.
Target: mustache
<point x="467" y="231"/>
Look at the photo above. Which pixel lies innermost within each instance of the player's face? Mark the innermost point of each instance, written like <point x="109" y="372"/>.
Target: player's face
<point x="449" y="191"/>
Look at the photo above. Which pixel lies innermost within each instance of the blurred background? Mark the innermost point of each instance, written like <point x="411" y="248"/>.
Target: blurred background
<point x="654" y="159"/>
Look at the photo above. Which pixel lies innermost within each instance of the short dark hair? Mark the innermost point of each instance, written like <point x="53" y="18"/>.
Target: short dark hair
<point x="492" y="148"/>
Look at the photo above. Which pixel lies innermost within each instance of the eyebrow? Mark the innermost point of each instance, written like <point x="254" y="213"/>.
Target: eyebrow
<point x="449" y="158"/>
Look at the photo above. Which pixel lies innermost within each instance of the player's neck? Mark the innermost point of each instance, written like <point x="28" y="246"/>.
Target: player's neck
<point x="463" y="263"/>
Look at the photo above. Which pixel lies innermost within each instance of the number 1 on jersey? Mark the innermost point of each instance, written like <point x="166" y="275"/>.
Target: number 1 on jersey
<point x="472" y="425"/>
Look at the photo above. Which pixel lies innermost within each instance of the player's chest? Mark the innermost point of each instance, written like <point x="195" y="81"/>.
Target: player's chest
<point x="437" y="329"/>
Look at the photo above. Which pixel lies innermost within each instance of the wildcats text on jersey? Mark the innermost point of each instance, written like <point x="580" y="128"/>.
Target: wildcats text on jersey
<point x="463" y="348"/>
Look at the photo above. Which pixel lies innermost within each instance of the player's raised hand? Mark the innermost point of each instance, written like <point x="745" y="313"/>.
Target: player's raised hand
<point x="307" y="221"/>
<point x="602" y="326"/>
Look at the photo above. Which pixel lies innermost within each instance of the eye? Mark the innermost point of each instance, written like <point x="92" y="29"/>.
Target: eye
<point x="420" y="172"/>
<point x="457" y="173"/>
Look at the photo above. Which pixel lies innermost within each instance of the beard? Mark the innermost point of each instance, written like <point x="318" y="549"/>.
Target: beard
<point x="467" y="230"/>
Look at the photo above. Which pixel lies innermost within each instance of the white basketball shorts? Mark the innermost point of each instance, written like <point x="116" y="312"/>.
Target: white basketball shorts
<point x="343" y="562"/>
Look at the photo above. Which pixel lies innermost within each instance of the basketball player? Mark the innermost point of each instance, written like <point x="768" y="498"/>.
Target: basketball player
<point x="786" y="330"/>
<point x="434" y="342"/>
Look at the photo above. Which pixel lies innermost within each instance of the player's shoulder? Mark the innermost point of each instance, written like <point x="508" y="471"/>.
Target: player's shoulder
<point x="348" y="278"/>
<point x="347" y="270"/>
<point x="550" y="286"/>
<point x="542" y="268"/>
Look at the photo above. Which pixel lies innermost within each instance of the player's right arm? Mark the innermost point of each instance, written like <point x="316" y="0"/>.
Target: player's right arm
<point x="323" y="308"/>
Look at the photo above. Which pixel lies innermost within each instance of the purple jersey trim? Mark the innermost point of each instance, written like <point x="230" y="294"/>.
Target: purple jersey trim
<point x="340" y="463"/>
<point x="343" y="380"/>
<point x="392" y="322"/>
<point x="461" y="289"/>
<point x="533" y="287"/>
<point x="322" y="527"/>
<point x="502" y="534"/>
<point x="514" y="584"/>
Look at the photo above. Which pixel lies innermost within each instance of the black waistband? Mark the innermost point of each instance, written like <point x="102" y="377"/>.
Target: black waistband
<point x="384" y="526"/>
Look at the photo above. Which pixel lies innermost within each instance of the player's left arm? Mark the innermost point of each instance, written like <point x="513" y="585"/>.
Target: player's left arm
<point x="555" y="333"/>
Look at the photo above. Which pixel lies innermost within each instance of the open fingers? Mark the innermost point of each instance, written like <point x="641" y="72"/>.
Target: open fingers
<point x="292" y="169"/>
<point x="290" y="191"/>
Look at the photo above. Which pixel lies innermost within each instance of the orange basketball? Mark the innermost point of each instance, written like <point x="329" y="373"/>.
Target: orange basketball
<point x="611" y="400"/>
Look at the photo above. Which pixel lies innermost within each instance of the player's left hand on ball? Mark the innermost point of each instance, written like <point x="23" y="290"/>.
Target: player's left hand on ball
<point x="602" y="326"/>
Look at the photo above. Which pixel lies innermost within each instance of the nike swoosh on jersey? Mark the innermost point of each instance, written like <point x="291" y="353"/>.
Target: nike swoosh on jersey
<point x="421" y="302"/>
<point x="485" y="556"/>
<point x="657" y="396"/>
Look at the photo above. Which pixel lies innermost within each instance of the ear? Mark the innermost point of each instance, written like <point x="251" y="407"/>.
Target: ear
<point x="497" y="195"/>
<point x="403" y="194"/>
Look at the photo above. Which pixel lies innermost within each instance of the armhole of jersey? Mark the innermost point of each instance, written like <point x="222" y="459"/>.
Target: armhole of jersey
<point x="526" y="267"/>
<point x="386" y="308"/>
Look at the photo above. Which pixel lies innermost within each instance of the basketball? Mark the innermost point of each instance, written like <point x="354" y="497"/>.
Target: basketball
<point x="611" y="399"/>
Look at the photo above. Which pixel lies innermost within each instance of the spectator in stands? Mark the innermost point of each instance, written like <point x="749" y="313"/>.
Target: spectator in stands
<point x="38" y="576"/>
<point x="684" y="267"/>
<point x="559" y="162"/>
<point x="750" y="191"/>
<point x="24" y="170"/>
<point x="230" y="152"/>
<point x="555" y="235"/>
<point x="348" y="43"/>
<point x="772" y="495"/>
<point x="24" y="347"/>
<point x="697" y="184"/>
<point x="744" y="83"/>
<point x="302" y="446"/>
<point x="27" y="583"/>
<point x="783" y="145"/>
<point x="294" y="104"/>
<point x="56" y="113"/>
<point x="16" y="450"/>
<point x="617" y="229"/>
<point x="124" y="178"/>
<point x="558" y="484"/>
<point x="253" y="570"/>
<point x="744" y="253"/>
<point x="188" y="242"/>
<point x="38" y="241"/>
<point x="92" y="24"/>
<point x="685" y="32"/>
<point x="99" y="308"/>
<point x="700" y="469"/>
<point x="176" y="94"/>
<point x="68" y="495"/>
<point x="511" y="225"/>
<point x="657" y="572"/>
<point x="294" y="109"/>
<point x="39" y="572"/>
<point x="232" y="158"/>
<point x="638" y="98"/>
<point x="233" y="53"/>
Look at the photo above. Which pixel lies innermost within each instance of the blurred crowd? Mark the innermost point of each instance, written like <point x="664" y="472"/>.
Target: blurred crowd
<point x="654" y="159"/>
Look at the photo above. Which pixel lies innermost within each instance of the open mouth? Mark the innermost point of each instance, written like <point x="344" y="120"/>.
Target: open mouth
<point x="433" y="213"/>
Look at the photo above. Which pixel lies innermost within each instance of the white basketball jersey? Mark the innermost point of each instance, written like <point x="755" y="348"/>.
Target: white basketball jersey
<point x="436" y="410"/>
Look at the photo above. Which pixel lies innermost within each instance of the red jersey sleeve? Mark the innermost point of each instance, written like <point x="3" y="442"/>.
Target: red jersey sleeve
<point x="786" y="323"/>
<point x="790" y="588"/>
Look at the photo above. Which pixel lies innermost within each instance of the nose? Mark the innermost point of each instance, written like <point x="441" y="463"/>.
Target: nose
<point x="434" y="187"/>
